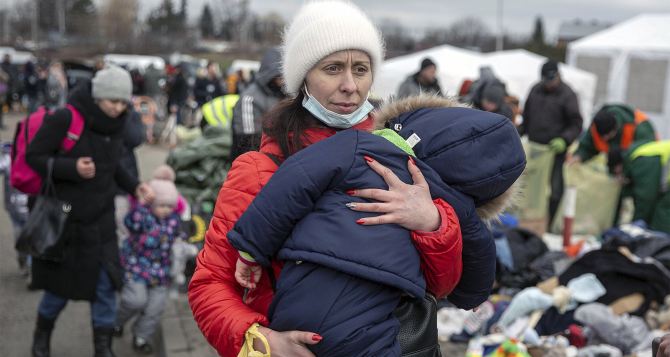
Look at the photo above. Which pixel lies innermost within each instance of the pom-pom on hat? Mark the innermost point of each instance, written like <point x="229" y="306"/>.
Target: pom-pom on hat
<point x="322" y="28"/>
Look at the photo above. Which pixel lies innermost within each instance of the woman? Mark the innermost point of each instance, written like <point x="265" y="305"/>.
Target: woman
<point x="338" y="99"/>
<point x="85" y="265"/>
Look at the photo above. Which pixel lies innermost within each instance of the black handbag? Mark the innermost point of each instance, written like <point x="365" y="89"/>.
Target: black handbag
<point x="45" y="223"/>
<point x="418" y="326"/>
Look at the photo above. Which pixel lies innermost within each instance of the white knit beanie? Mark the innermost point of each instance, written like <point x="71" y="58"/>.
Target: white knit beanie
<point x="324" y="27"/>
<point x="112" y="82"/>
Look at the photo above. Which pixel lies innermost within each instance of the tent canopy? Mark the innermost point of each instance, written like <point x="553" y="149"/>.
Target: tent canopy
<point x="519" y="69"/>
<point x="644" y="32"/>
<point x="632" y="62"/>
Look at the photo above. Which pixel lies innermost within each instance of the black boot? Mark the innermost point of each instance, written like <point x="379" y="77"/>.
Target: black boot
<point x="42" y="336"/>
<point x="102" y="341"/>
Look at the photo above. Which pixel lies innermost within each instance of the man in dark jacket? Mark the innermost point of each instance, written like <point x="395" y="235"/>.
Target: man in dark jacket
<point x="84" y="264"/>
<point x="178" y="92"/>
<point x="423" y="81"/>
<point x="207" y="87"/>
<point x="551" y="117"/>
<point x="254" y="102"/>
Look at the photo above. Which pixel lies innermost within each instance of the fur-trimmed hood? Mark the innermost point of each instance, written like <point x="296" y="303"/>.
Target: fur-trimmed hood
<point x="476" y="152"/>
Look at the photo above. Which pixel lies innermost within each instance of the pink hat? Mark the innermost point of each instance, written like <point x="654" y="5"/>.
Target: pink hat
<point x="165" y="191"/>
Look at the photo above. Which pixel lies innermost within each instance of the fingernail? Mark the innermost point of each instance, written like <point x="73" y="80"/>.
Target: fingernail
<point x="351" y="205"/>
<point x="368" y="158"/>
<point x="411" y="159"/>
<point x="360" y="221"/>
<point x="351" y="192"/>
<point x="316" y="337"/>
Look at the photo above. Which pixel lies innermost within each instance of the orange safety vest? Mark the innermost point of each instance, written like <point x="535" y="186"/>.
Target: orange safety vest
<point x="627" y="133"/>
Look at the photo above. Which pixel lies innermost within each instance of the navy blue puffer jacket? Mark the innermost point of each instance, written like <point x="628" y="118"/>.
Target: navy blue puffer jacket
<point x="328" y="284"/>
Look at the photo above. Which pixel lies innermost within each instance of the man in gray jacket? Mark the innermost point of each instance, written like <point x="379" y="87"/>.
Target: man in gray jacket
<point x="255" y="101"/>
<point x="551" y="117"/>
<point x="423" y="81"/>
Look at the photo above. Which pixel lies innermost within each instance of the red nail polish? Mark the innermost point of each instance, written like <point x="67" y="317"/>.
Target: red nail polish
<point x="360" y="221"/>
<point x="351" y="192"/>
<point x="411" y="159"/>
<point x="368" y="158"/>
<point x="316" y="337"/>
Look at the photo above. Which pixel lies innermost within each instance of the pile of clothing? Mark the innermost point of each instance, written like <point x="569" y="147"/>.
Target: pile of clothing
<point x="607" y="300"/>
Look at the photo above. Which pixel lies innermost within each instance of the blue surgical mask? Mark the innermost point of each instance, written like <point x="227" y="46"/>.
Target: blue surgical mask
<point x="335" y="120"/>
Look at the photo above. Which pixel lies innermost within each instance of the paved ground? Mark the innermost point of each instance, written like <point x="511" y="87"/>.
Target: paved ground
<point x="72" y="336"/>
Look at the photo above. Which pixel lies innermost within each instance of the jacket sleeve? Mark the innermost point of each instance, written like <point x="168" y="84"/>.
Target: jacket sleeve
<point x="527" y="117"/>
<point x="479" y="264"/>
<point x="299" y="183"/>
<point x="586" y="149"/>
<point x="405" y="89"/>
<point x="134" y="132"/>
<point x="645" y="132"/>
<point x="246" y="116"/>
<point x="645" y="175"/>
<point x="573" y="118"/>
<point x="125" y="180"/>
<point x="441" y="252"/>
<point x="214" y="295"/>
<point x="47" y="142"/>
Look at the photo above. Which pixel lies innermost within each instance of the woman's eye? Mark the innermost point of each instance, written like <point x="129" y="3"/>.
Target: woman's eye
<point x="331" y="69"/>
<point x="361" y="70"/>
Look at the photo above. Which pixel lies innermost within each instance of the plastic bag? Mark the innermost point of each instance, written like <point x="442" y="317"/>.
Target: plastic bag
<point x="534" y="199"/>
<point x="597" y="197"/>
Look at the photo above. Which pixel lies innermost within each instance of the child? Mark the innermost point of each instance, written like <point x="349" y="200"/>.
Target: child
<point x="343" y="280"/>
<point x="145" y="256"/>
<point x="16" y="204"/>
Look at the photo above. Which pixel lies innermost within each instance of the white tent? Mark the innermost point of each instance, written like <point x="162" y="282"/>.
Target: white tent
<point x="519" y="69"/>
<point x="632" y="62"/>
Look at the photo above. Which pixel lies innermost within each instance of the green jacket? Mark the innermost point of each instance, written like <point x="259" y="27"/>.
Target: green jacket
<point x="647" y="166"/>
<point x="644" y="132"/>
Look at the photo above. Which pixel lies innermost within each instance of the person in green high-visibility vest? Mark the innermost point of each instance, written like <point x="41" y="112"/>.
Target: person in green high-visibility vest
<point x="218" y="112"/>
<point x="647" y="166"/>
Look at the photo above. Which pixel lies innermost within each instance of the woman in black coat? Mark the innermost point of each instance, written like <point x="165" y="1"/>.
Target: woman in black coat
<point x="84" y="265"/>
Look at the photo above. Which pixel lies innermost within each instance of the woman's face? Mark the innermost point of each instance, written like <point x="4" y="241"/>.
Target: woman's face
<point x="112" y="107"/>
<point x="341" y="81"/>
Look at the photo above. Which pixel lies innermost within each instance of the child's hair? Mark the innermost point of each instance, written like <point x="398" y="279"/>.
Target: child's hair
<point x="164" y="172"/>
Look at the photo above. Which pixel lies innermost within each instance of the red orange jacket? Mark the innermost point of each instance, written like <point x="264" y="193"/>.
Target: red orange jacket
<point x="215" y="297"/>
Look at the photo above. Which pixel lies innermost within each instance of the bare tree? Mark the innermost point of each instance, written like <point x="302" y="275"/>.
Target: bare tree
<point x="119" y="23"/>
<point x="397" y="37"/>
<point x="267" y="29"/>
<point x="469" y="32"/>
<point x="20" y="19"/>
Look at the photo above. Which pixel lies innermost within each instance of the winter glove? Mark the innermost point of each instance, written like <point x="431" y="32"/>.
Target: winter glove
<point x="557" y="145"/>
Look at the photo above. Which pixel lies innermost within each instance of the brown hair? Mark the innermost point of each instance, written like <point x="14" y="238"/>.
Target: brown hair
<point x="286" y="124"/>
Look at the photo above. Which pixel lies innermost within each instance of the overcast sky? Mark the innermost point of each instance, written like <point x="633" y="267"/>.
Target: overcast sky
<point x="417" y="15"/>
<point x="518" y="15"/>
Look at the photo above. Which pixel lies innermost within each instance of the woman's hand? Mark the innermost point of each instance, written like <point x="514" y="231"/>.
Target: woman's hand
<point x="144" y="193"/>
<point x="288" y="343"/>
<point x="86" y="167"/>
<point x="409" y="206"/>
